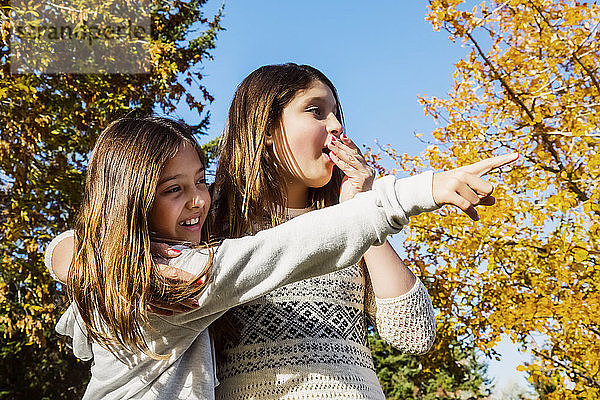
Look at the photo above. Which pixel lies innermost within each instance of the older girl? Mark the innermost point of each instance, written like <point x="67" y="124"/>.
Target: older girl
<point x="284" y="154"/>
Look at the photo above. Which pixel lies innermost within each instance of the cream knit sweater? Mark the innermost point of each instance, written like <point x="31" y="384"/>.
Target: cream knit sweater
<point x="308" y="340"/>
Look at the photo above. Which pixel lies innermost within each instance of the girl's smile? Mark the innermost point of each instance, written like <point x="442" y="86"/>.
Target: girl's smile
<point x="182" y="200"/>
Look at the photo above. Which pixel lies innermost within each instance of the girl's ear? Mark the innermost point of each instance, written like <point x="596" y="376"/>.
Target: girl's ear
<point x="269" y="139"/>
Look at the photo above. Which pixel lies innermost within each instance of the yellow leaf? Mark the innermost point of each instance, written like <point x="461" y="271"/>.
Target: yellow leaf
<point x="580" y="255"/>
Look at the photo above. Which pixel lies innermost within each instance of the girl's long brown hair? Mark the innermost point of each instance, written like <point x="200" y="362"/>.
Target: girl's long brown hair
<point x="250" y="187"/>
<point x="113" y="278"/>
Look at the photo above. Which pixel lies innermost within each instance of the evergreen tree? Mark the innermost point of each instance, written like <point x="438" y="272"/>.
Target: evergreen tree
<point x="416" y="377"/>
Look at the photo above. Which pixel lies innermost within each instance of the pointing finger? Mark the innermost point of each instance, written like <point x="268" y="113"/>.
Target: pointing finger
<point x="484" y="166"/>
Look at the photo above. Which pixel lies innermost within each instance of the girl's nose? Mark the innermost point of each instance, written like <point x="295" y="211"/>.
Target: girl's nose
<point x="196" y="202"/>
<point x="333" y="125"/>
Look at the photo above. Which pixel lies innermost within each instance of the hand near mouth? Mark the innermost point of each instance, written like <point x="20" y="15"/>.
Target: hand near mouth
<point x="359" y="176"/>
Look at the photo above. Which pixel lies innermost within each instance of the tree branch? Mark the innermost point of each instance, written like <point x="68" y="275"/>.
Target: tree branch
<point x="569" y="368"/>
<point x="574" y="54"/>
<point x="499" y="77"/>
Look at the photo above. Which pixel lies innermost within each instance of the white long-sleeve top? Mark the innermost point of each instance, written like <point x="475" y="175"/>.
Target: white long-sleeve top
<point x="244" y="269"/>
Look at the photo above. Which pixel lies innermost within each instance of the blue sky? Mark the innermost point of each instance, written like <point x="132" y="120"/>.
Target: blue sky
<point x="380" y="57"/>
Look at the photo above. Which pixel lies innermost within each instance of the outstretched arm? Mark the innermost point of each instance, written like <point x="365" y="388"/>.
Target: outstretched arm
<point x="312" y="244"/>
<point x="396" y="300"/>
<point x="461" y="187"/>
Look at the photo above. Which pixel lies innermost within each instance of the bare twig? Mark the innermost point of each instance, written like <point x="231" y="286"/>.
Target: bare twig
<point x="569" y="368"/>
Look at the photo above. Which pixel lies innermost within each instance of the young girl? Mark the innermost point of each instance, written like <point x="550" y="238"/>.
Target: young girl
<point x="146" y="179"/>
<point x="283" y="154"/>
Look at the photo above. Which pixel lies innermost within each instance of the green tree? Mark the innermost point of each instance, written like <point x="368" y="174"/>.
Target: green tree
<point x="48" y="125"/>
<point x="425" y="377"/>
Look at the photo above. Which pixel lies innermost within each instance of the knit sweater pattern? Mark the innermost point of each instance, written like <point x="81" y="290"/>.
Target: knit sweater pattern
<point x="308" y="340"/>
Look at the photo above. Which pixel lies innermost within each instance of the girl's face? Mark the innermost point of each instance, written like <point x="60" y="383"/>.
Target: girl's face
<point x="182" y="200"/>
<point x="300" y="144"/>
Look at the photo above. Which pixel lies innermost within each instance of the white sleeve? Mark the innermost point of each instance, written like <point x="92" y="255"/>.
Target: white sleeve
<point x="70" y="324"/>
<point x="312" y="244"/>
<point x="50" y="249"/>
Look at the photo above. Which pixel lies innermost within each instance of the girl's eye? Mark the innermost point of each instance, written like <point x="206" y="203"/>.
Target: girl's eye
<point x="173" y="189"/>
<point x="201" y="181"/>
<point x="314" y="109"/>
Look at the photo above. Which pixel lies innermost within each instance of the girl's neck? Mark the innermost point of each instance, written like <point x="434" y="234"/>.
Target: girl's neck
<point x="297" y="196"/>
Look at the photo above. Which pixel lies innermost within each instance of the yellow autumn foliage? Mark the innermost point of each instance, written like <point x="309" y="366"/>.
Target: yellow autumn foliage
<point x="529" y="268"/>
